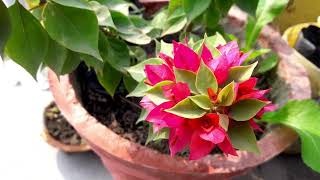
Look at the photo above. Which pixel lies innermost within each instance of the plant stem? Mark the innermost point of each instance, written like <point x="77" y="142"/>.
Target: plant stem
<point x="131" y="103"/>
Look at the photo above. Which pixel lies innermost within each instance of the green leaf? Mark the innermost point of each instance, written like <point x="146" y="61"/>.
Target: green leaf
<point x="110" y="79"/>
<point x="162" y="134"/>
<point x="138" y="52"/>
<point x="227" y="95"/>
<point x="241" y="73"/>
<point x="202" y="101"/>
<point x="175" y="22"/>
<point x="140" y="23"/>
<point x="129" y="83"/>
<point x="267" y="64"/>
<point x="28" y="41"/>
<point x="143" y="115"/>
<point x="56" y="57"/>
<point x="173" y="5"/>
<point x="266" y="11"/>
<point x="127" y="29"/>
<point x="93" y="62"/>
<point x="75" y="29"/>
<point x="139" y="90"/>
<point x="186" y="77"/>
<point x="243" y="138"/>
<point x="114" y="51"/>
<point x="302" y="116"/>
<point x="212" y="16"/>
<point x="195" y="8"/>
<point x="73" y="3"/>
<point x="206" y="79"/>
<point x="224" y="6"/>
<point x="224" y="121"/>
<point x="119" y="5"/>
<point x="103" y="14"/>
<point x="158" y="20"/>
<point x="246" y="109"/>
<point x="5" y="26"/>
<point x="256" y="53"/>
<point x="211" y="42"/>
<point x="155" y="93"/>
<point x="71" y="63"/>
<point x="137" y="71"/>
<point x="166" y="48"/>
<point x="187" y="109"/>
<point x="249" y="6"/>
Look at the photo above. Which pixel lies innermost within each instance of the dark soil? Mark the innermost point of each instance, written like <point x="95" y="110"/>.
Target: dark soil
<point x="59" y="128"/>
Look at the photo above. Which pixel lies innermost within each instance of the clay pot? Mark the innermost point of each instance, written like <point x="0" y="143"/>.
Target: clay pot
<point x="84" y="147"/>
<point x="127" y="160"/>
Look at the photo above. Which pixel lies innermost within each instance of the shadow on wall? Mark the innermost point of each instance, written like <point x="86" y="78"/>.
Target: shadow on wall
<point x="81" y="166"/>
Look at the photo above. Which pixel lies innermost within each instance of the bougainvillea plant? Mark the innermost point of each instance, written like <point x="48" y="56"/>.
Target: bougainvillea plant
<point x="203" y="98"/>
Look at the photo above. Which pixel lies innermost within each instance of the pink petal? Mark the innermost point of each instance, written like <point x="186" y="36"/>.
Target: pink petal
<point x="256" y="94"/>
<point x="167" y="59"/>
<point x="243" y="57"/>
<point x="147" y="103"/>
<point x="163" y="119"/>
<point x="227" y="147"/>
<point x="267" y="108"/>
<point x="230" y="46"/>
<point x="176" y="92"/>
<point x="254" y="125"/>
<point x="206" y="54"/>
<point x="222" y="69"/>
<point x="179" y="138"/>
<point x="185" y="58"/>
<point x="158" y="73"/>
<point x="199" y="147"/>
<point x="247" y="86"/>
<point x="215" y="136"/>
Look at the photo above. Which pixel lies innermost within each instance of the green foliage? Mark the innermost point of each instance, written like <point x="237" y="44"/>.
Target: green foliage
<point x="194" y="8"/>
<point x="137" y="71"/>
<point x="139" y="90"/>
<point x="187" y="109"/>
<point x="5" y="26"/>
<point x="241" y="73"/>
<point x="110" y="78"/>
<point x="227" y="95"/>
<point x="267" y="64"/>
<point x="202" y="101"/>
<point x="174" y="22"/>
<point x="246" y="109"/>
<point x="256" y="53"/>
<point x="205" y="79"/>
<point x="224" y="121"/>
<point x="243" y="138"/>
<point x="186" y="77"/>
<point x="155" y="93"/>
<point x="302" y="116"/>
<point x="266" y="11"/>
<point x="28" y="41"/>
<point x="249" y="6"/>
<point x="152" y="136"/>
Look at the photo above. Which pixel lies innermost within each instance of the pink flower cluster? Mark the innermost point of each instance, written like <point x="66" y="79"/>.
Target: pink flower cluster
<point x="202" y="134"/>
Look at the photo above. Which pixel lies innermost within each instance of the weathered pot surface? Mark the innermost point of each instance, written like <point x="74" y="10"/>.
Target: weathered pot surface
<point x="128" y="160"/>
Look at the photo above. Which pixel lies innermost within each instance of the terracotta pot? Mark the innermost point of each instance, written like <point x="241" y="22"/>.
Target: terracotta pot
<point x="127" y="160"/>
<point x="59" y="145"/>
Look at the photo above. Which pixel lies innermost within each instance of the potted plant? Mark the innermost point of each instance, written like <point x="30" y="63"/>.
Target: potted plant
<point x="129" y="159"/>
<point x="59" y="133"/>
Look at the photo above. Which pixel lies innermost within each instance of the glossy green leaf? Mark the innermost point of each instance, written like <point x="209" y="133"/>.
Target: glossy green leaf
<point x="212" y="16"/>
<point x="206" y="79"/>
<point x="202" y="101"/>
<point x="143" y="115"/>
<point x="267" y="64"/>
<point x="194" y="8"/>
<point x="28" y="41"/>
<point x="249" y="6"/>
<point x="256" y="53"/>
<point x="119" y="5"/>
<point x="266" y="11"/>
<point x="241" y="73"/>
<point x="138" y="53"/>
<point x="243" y="138"/>
<point x="166" y="48"/>
<point x="110" y="79"/>
<point x="224" y="121"/>
<point x="158" y="20"/>
<point x="139" y="90"/>
<point x="227" y="95"/>
<point x="162" y="134"/>
<point x="155" y="93"/>
<point x="93" y="62"/>
<point x="187" y="109"/>
<point x="175" y="22"/>
<point x="129" y="83"/>
<point x="56" y="57"/>
<point x="73" y="3"/>
<point x="139" y="22"/>
<point x="114" y="51"/>
<point x="5" y="26"/>
<point x="186" y="77"/>
<point x="224" y="6"/>
<point x="103" y="14"/>
<point x="302" y="116"/>
<point x="75" y="29"/>
<point x="71" y="63"/>
<point x="246" y="109"/>
<point x="173" y="5"/>
<point x="137" y="71"/>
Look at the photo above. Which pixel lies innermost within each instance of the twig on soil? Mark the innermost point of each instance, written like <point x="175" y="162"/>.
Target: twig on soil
<point x="131" y="103"/>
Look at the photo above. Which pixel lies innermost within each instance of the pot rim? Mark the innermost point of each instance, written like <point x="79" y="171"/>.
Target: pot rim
<point x="107" y="143"/>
